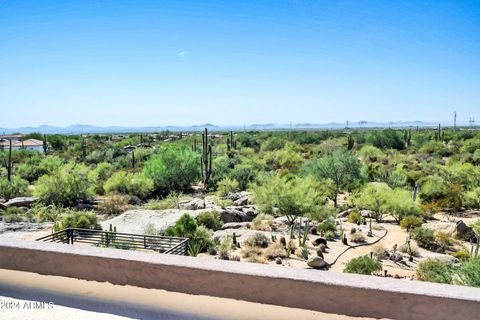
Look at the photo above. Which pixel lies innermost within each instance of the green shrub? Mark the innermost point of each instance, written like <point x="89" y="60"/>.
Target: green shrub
<point x="363" y="265"/>
<point x="210" y="219"/>
<point x="227" y="186"/>
<point x="329" y="235"/>
<point x="66" y="186"/>
<point x="173" y="169"/>
<point x="134" y="184"/>
<point x="13" y="214"/>
<point x="433" y="270"/>
<point x="374" y="197"/>
<point x="338" y="170"/>
<point x="289" y="197"/>
<point x="469" y="273"/>
<point x="202" y="238"/>
<point x="184" y="227"/>
<point x="400" y="204"/>
<point x="355" y="217"/>
<point x="461" y="255"/>
<point x="411" y="222"/>
<point x="258" y="240"/>
<point x="386" y="139"/>
<point x="358" y="237"/>
<point x="114" y="205"/>
<point x="327" y="226"/>
<point x="172" y="201"/>
<point x="424" y="237"/>
<point x="16" y="188"/>
<point x="223" y="203"/>
<point x="78" y="219"/>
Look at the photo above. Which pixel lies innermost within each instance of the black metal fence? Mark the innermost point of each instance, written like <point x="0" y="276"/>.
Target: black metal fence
<point x="119" y="240"/>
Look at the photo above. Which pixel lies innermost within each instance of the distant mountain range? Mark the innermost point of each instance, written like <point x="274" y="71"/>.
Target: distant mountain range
<point x="83" y="128"/>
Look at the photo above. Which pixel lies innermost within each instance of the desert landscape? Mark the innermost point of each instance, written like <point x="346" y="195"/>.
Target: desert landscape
<point x="357" y="201"/>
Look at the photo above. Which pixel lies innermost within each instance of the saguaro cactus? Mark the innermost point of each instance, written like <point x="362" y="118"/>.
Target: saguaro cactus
<point x="133" y="159"/>
<point x="439" y="133"/>
<point x="407" y="137"/>
<point x="9" y="164"/>
<point x="194" y="146"/>
<point x="350" y="142"/>
<point x="231" y="142"/>
<point x="206" y="159"/>
<point x="84" y="148"/>
<point x="45" y="146"/>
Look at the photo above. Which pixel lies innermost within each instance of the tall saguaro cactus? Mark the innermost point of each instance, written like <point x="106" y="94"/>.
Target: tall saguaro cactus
<point x="206" y="160"/>
<point x="194" y="145"/>
<point x="9" y="165"/>
<point x="84" y="148"/>
<point x="439" y="133"/>
<point x="45" y="145"/>
<point x="350" y="142"/>
<point x="231" y="142"/>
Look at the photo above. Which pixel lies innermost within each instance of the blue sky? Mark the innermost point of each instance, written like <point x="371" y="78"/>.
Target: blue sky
<point x="237" y="62"/>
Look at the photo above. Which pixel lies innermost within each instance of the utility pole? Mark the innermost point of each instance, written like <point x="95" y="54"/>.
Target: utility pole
<point x="471" y="121"/>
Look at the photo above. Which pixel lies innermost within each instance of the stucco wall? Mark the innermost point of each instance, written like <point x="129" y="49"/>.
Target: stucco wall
<point x="329" y="292"/>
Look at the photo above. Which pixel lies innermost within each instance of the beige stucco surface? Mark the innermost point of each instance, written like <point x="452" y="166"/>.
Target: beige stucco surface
<point x="346" y="294"/>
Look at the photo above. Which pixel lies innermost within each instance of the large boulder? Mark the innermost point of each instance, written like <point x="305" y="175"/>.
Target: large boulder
<point x="447" y="227"/>
<point x="234" y="225"/>
<point x="135" y="221"/>
<point x="367" y="213"/>
<point x="192" y="204"/>
<point x="316" y="263"/>
<point x="344" y="214"/>
<point x="210" y="203"/>
<point x="463" y="231"/>
<point x="242" y="201"/>
<point x="250" y="210"/>
<point x="233" y="215"/>
<point x="234" y="196"/>
<point x="21" y="202"/>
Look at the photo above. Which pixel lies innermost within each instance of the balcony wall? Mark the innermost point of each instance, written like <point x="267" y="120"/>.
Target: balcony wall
<point x="329" y="292"/>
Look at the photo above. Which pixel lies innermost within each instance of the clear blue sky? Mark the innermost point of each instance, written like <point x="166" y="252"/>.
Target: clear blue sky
<point x="235" y="62"/>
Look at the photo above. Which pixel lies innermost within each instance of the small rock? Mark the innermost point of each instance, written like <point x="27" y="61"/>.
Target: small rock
<point x="316" y="263"/>
<point x="319" y="241"/>
<point x="278" y="260"/>
<point x="313" y="230"/>
<point x="397" y="257"/>
<point x="193" y="204"/>
<point x="322" y="247"/>
<point x="353" y="230"/>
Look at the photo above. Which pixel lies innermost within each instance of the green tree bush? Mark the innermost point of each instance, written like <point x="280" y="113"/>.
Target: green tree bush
<point x="134" y="184"/>
<point x="341" y="168"/>
<point x="363" y="265"/>
<point x="173" y="169"/>
<point x="10" y="189"/>
<point x="66" y="186"/>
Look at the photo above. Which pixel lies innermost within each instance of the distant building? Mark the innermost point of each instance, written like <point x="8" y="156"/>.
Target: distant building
<point x="29" y="144"/>
<point x="13" y="137"/>
<point x="18" y="144"/>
